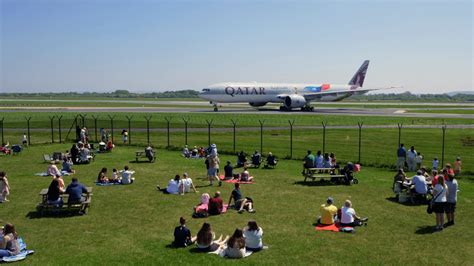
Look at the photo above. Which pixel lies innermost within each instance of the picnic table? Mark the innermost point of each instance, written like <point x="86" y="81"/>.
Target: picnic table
<point x="45" y="206"/>
<point x="321" y="173"/>
<point x="142" y="154"/>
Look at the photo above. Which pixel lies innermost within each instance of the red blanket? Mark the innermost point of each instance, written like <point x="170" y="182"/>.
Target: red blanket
<point x="333" y="227"/>
<point x="235" y="180"/>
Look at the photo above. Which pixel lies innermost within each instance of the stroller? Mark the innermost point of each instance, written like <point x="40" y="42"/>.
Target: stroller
<point x="150" y="154"/>
<point x="348" y="173"/>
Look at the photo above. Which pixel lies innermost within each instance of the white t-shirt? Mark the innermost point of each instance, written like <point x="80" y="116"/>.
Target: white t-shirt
<point x="347" y="215"/>
<point x="253" y="239"/>
<point x="411" y="154"/>
<point x="187" y="183"/>
<point x="173" y="186"/>
<point x="452" y="191"/>
<point x="441" y="196"/>
<point x="126" y="176"/>
<point x="420" y="184"/>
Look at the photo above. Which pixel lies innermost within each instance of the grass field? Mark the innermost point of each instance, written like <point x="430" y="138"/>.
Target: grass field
<point x="134" y="224"/>
<point x="442" y="111"/>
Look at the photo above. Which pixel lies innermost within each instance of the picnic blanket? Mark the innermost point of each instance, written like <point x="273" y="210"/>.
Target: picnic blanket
<point x="20" y="256"/>
<point x="233" y="181"/>
<point x="221" y="252"/>
<point x="46" y="174"/>
<point x="335" y="227"/>
<point x="203" y="207"/>
<point x="106" y="184"/>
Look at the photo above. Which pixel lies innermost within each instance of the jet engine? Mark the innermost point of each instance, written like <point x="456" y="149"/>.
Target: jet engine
<point x="294" y="101"/>
<point x="257" y="104"/>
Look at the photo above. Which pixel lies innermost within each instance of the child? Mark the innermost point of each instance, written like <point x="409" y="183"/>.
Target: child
<point x="435" y="164"/>
<point x="25" y="139"/>
<point x="4" y="186"/>
<point x="418" y="160"/>
<point x="115" y="177"/>
<point x="457" y="166"/>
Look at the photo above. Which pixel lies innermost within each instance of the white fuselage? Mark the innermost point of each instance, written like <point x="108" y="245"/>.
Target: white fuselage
<point x="271" y="92"/>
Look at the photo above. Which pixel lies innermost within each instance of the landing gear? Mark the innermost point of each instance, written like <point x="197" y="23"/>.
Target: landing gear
<point x="307" y="108"/>
<point x="215" y="106"/>
<point x="284" y="108"/>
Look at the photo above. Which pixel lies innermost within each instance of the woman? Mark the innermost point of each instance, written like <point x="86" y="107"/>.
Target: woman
<point x="236" y="245"/>
<point x="440" y="193"/>
<point x="67" y="165"/>
<point x="54" y="193"/>
<point x="326" y="161"/>
<point x="349" y="216"/>
<point x="245" y="176"/>
<point x="74" y="153"/>
<point x="253" y="236"/>
<point x="4" y="186"/>
<point x="102" y="176"/>
<point x="205" y="239"/>
<point x="53" y="169"/>
<point x="124" y="136"/>
<point x="398" y="180"/>
<point x="9" y="242"/>
<point x="451" y="199"/>
<point x="332" y="157"/>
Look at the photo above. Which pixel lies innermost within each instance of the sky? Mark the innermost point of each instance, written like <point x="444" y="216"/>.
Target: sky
<point x="151" y="45"/>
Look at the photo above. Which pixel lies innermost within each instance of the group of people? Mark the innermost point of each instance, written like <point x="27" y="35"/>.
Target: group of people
<point x="250" y="238"/>
<point x="75" y="191"/>
<point x="255" y="160"/>
<point x="319" y="161"/>
<point x="179" y="185"/>
<point x="413" y="160"/>
<point x="229" y="173"/>
<point x="195" y="152"/>
<point x="80" y="153"/>
<point x="123" y="177"/>
<point x="346" y="216"/>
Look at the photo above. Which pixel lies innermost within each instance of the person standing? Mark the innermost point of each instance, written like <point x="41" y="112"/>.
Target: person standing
<point x="452" y="185"/>
<point x="25" y="140"/>
<point x="4" y="187"/>
<point x="402" y="156"/>
<point x="411" y="155"/>
<point x="213" y="168"/>
<point x="457" y="166"/>
<point x="124" y="136"/>
<point x="440" y="193"/>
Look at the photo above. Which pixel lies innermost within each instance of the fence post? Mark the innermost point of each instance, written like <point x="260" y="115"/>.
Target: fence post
<point x="51" y="119"/>
<point x="95" y="127"/>
<point x="111" y="117"/>
<point x="291" y="122"/>
<point x="83" y="118"/>
<point x="400" y="125"/>
<point x="360" y="137"/>
<point x="261" y="134"/>
<point x="185" y="120"/>
<point x="168" y="119"/>
<point x="59" y="128"/>
<point x="442" y="151"/>
<point x="28" y="127"/>
<point x="209" y="124"/>
<point x="234" y="125"/>
<point x="324" y="136"/>
<point x="129" y="118"/>
<point x="148" y="118"/>
<point x="1" y="127"/>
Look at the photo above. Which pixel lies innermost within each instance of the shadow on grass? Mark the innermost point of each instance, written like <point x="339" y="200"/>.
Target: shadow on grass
<point x="63" y="214"/>
<point x="139" y="162"/>
<point x="407" y="203"/>
<point x="427" y="229"/>
<point x="316" y="183"/>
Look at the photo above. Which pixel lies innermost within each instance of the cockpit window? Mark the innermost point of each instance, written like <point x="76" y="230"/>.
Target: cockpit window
<point x="206" y="90"/>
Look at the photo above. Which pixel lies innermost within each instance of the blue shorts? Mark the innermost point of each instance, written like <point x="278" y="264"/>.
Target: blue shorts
<point x="211" y="171"/>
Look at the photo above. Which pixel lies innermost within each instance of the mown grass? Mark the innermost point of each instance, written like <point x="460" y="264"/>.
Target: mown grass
<point x="133" y="224"/>
<point x="441" y="111"/>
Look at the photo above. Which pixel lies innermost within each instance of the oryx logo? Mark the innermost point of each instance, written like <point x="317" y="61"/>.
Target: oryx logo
<point x="244" y="91"/>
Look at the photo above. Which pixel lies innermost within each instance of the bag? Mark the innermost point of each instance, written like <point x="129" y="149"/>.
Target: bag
<point x="429" y="209"/>
<point x="356" y="167"/>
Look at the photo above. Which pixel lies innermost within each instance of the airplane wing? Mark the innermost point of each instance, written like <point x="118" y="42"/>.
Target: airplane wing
<point x="315" y="95"/>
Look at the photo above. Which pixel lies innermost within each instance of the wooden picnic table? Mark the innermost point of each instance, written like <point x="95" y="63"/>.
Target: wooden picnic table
<point x="44" y="194"/>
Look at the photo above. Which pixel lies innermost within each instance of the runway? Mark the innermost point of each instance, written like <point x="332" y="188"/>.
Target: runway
<point x="232" y="109"/>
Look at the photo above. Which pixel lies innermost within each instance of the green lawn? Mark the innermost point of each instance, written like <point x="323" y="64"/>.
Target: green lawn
<point x="134" y="224"/>
<point x="441" y="111"/>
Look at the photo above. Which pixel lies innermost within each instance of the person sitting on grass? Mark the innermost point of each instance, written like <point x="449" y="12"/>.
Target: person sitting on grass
<point x="110" y="145"/>
<point x="349" y="216"/>
<point x="67" y="165"/>
<point x="174" y="185"/>
<point x="328" y="211"/>
<point x="241" y="159"/>
<point x="186" y="152"/>
<point x="187" y="185"/>
<point x="256" y="159"/>
<point x="4" y="148"/>
<point x="202" y="212"/>
<point x="54" y="193"/>
<point x="75" y="191"/>
<point x="253" y="236"/>
<point x="126" y="175"/>
<point x="53" y="169"/>
<point x="245" y="176"/>
<point x="9" y="245"/>
<point x="205" y="239"/>
<point x="102" y="176"/>
<point x="236" y="245"/>
<point x="216" y="204"/>
<point x="240" y="203"/>
<point x="182" y="235"/>
<point x="228" y="171"/>
<point x="271" y="160"/>
<point x="115" y="178"/>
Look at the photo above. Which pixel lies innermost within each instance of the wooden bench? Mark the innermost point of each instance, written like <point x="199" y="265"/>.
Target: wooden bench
<point x="321" y="173"/>
<point x="44" y="206"/>
<point x="142" y="154"/>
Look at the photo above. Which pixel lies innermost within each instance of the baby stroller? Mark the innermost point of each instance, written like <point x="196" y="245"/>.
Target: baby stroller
<point x="150" y="154"/>
<point x="348" y="173"/>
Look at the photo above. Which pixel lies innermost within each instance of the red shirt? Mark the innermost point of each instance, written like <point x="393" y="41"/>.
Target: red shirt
<point x="215" y="206"/>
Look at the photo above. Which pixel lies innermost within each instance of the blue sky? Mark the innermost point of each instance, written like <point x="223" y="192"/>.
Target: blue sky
<point x="146" y="45"/>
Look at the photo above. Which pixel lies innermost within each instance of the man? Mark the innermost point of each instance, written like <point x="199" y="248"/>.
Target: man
<point x="75" y="191"/>
<point x="256" y="159"/>
<point x="419" y="183"/>
<point x="239" y="201"/>
<point x="309" y="160"/>
<point x="349" y="216"/>
<point x="228" y="171"/>
<point x="182" y="235"/>
<point x="127" y="175"/>
<point x="271" y="161"/>
<point x="187" y="184"/>
<point x="212" y="170"/>
<point x="411" y="155"/>
<point x="319" y="161"/>
<point x="216" y="204"/>
<point x="401" y="155"/>
<point x="328" y="211"/>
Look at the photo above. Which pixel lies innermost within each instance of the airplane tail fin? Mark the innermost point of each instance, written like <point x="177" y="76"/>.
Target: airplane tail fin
<point x="359" y="76"/>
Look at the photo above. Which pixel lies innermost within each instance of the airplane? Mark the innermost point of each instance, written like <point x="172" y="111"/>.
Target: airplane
<point x="291" y="96"/>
